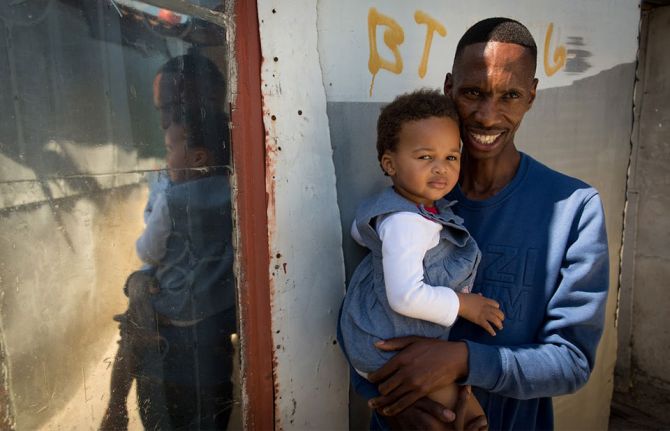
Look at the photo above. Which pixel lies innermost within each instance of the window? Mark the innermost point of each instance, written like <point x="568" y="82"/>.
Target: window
<point x="118" y="216"/>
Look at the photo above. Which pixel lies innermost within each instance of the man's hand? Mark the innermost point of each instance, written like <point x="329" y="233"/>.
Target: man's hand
<point x="422" y="366"/>
<point x="481" y="311"/>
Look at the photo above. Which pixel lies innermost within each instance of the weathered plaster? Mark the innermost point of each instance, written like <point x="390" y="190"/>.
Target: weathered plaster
<point x="307" y="270"/>
<point x="642" y="375"/>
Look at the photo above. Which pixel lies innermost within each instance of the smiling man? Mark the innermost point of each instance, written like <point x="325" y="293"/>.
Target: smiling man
<point x="545" y="258"/>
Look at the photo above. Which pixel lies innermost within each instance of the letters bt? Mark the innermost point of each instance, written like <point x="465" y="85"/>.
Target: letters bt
<point x="394" y="36"/>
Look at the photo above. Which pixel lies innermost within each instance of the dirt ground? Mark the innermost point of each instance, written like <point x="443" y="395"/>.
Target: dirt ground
<point x="623" y="418"/>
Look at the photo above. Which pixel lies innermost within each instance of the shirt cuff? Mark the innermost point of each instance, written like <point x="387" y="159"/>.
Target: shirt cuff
<point x="452" y="304"/>
<point x="484" y="364"/>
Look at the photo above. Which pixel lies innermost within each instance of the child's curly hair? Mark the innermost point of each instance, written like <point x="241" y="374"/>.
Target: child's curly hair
<point x="416" y="105"/>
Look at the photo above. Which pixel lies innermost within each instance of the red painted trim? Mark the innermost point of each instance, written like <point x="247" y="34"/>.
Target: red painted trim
<point x="252" y="224"/>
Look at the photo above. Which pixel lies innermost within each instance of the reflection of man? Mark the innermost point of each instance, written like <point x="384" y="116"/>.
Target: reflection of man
<point x="188" y="239"/>
<point x="196" y="302"/>
<point x="184" y="380"/>
<point x="545" y="258"/>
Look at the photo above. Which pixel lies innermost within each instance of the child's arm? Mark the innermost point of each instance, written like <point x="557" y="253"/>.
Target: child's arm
<point x="157" y="186"/>
<point x="405" y="239"/>
<point x="481" y="311"/>
<point x="151" y="245"/>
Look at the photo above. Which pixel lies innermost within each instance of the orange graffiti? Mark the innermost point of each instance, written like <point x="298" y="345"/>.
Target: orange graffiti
<point x="560" y="54"/>
<point x="393" y="37"/>
<point x="432" y="25"/>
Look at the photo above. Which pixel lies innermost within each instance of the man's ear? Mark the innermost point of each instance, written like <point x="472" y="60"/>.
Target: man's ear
<point x="200" y="157"/>
<point x="387" y="164"/>
<point x="448" y="84"/>
<point x="533" y="92"/>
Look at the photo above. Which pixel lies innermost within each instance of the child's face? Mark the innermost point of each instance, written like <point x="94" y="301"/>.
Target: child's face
<point x="179" y="157"/>
<point x="426" y="162"/>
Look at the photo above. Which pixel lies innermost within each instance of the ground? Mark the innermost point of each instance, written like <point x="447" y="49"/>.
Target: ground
<point x="624" y="417"/>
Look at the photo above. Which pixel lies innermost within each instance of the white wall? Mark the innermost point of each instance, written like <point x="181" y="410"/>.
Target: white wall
<point x="306" y="271"/>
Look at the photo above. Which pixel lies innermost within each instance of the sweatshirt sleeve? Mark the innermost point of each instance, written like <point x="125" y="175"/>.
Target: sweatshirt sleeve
<point x="151" y="245"/>
<point x="405" y="239"/>
<point x="563" y="357"/>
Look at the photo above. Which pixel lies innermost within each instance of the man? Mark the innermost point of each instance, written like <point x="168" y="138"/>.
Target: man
<point x="545" y="259"/>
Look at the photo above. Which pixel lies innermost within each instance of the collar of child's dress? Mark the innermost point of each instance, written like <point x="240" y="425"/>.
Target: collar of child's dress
<point x="441" y="212"/>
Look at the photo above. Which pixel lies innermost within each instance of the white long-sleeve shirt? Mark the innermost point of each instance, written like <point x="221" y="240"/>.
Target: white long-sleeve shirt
<point x="152" y="244"/>
<point x="406" y="237"/>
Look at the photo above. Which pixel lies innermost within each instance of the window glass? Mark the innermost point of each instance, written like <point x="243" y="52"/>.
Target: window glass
<point x="116" y="268"/>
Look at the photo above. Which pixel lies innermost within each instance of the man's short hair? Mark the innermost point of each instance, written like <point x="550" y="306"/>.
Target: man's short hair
<point x="417" y="105"/>
<point x="191" y="79"/>
<point x="498" y="29"/>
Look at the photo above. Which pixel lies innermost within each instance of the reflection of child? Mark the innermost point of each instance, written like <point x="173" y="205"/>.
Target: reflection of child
<point x="158" y="182"/>
<point x="417" y="278"/>
<point x="187" y="278"/>
<point x="181" y="239"/>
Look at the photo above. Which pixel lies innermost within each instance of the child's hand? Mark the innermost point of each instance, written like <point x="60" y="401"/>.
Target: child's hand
<point x="483" y="311"/>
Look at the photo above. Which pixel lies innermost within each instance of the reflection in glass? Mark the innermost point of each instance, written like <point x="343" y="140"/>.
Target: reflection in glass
<point x="116" y="218"/>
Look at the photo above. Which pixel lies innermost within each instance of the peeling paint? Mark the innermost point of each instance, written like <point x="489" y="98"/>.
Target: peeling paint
<point x="303" y="220"/>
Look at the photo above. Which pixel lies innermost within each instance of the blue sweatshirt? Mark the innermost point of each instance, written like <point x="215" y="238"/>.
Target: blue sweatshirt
<point x="545" y="260"/>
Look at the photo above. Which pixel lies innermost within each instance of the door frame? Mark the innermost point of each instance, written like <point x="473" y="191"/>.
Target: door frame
<point x="248" y="137"/>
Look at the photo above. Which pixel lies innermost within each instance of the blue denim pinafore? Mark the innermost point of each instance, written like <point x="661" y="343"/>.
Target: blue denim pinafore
<point x="366" y="314"/>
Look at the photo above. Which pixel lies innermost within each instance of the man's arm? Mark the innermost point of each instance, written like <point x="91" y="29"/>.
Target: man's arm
<point x="562" y="359"/>
<point x="425" y="414"/>
<point x="423" y="366"/>
<point x="559" y="363"/>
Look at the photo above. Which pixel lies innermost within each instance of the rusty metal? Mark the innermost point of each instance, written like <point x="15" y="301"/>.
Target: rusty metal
<point x="252" y="224"/>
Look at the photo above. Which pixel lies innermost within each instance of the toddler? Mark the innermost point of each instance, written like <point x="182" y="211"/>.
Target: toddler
<point x="417" y="278"/>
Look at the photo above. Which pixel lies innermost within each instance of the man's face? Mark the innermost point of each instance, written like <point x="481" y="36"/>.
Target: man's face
<point x="493" y="86"/>
<point x="182" y="161"/>
<point x="165" y="97"/>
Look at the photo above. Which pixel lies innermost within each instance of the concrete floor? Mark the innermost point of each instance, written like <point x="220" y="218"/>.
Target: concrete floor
<point x="626" y="418"/>
<point x="85" y="410"/>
